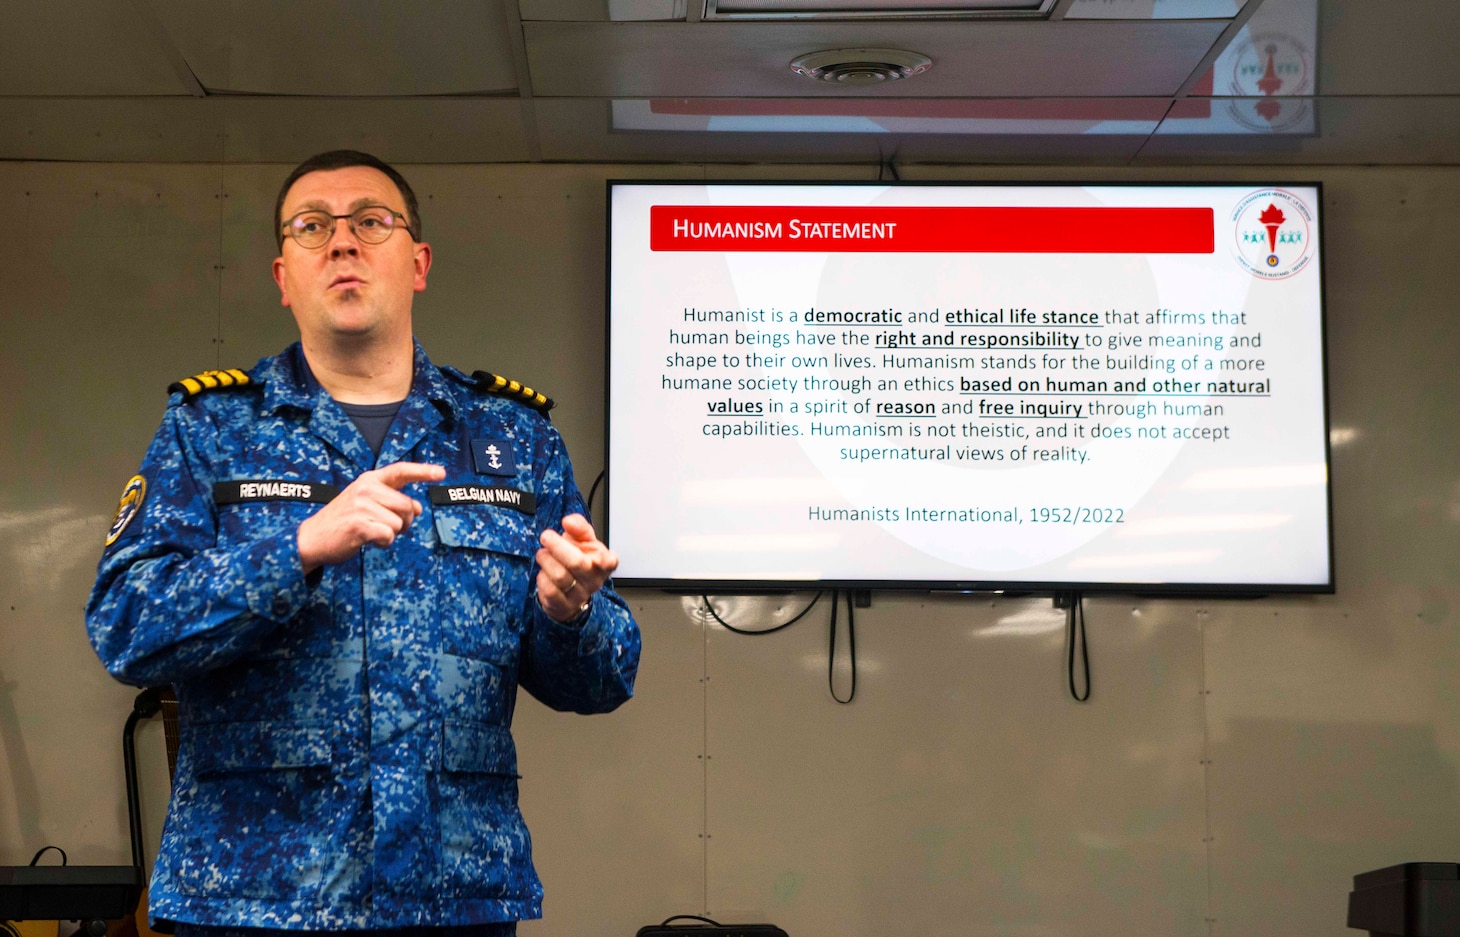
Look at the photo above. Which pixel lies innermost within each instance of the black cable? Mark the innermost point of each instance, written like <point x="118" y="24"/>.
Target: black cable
<point x="892" y="166"/>
<point x="44" y="849"/>
<point x="147" y="704"/>
<point x="594" y="489"/>
<point x="836" y="597"/>
<point x="9" y="929"/>
<point x="1075" y="632"/>
<point x="690" y="917"/>
<point x="781" y="627"/>
<point x="851" y="646"/>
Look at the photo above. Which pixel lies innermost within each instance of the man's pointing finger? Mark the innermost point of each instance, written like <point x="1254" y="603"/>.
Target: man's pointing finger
<point x="399" y="474"/>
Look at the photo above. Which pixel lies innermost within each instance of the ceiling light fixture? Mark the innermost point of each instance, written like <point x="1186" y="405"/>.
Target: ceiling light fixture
<point x="860" y="66"/>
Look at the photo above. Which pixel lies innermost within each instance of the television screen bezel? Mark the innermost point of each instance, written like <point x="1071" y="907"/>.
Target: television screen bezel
<point x="1019" y="586"/>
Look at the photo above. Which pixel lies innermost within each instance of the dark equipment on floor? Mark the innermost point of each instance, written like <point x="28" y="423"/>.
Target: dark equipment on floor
<point x="704" y="927"/>
<point x="91" y="894"/>
<point x="1416" y="899"/>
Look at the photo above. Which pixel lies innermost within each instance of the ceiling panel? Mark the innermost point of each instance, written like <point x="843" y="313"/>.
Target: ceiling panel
<point x="1274" y="54"/>
<point x="582" y="129"/>
<point x="897" y="116"/>
<point x="871" y="9"/>
<point x="1385" y="130"/>
<point x="257" y="129"/>
<point x="1382" y="47"/>
<point x="1302" y="81"/>
<point x="402" y="130"/>
<point x="81" y="47"/>
<point x="161" y="129"/>
<point x="973" y="59"/>
<point x="343" y="47"/>
<point x="593" y="11"/>
<point x="1380" y="130"/>
<point x="1153" y="9"/>
<point x="587" y="129"/>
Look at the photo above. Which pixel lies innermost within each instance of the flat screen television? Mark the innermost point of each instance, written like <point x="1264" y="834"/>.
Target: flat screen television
<point x="967" y="387"/>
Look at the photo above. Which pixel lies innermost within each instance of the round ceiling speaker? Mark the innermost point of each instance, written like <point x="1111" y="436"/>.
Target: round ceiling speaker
<point x="861" y="66"/>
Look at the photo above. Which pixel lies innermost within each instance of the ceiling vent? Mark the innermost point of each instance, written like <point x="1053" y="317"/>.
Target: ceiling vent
<point x="861" y="66"/>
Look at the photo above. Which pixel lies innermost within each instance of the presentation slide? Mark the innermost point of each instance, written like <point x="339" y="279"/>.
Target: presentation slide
<point x="967" y="386"/>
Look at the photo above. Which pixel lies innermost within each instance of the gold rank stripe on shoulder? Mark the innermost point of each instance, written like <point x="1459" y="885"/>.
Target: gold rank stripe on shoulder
<point x="497" y="384"/>
<point x="190" y="387"/>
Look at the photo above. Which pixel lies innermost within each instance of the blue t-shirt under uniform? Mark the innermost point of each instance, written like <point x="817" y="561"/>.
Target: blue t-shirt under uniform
<point x="372" y="420"/>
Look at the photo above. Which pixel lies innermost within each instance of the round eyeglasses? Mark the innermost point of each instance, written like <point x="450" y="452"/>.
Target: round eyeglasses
<point x="373" y="224"/>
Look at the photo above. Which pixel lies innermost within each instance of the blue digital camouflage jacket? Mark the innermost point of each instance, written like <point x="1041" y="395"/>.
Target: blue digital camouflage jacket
<point x="345" y="755"/>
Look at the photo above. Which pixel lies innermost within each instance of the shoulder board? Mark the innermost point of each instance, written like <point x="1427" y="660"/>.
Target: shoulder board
<point x="496" y="384"/>
<point x="190" y="387"/>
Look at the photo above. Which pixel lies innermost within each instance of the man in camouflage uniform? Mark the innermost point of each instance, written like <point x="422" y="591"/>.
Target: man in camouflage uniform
<point x="345" y="561"/>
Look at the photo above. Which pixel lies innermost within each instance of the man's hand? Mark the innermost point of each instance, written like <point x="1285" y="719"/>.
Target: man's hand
<point x="572" y="566"/>
<point x="371" y="509"/>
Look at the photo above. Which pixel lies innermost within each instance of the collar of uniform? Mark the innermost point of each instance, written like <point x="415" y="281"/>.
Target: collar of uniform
<point x="288" y="382"/>
<point x="428" y="382"/>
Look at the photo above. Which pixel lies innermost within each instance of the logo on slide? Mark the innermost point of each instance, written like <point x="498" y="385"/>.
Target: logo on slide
<point x="1274" y="231"/>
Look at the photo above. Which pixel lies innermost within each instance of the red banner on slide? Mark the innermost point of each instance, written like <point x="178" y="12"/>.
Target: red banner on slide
<point x="1013" y="230"/>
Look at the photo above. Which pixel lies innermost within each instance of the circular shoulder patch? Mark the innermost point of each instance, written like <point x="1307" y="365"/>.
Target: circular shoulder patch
<point x="131" y="503"/>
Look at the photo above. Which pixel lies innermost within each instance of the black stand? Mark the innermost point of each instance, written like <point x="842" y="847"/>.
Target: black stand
<point x="91" y="894"/>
